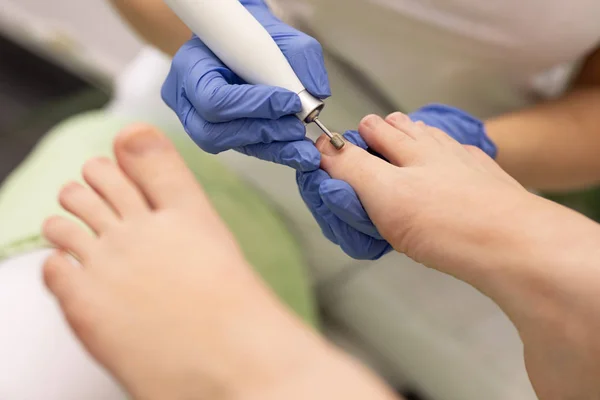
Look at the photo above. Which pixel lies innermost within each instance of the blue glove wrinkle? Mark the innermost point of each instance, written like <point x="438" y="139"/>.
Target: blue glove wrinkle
<point x="217" y="100"/>
<point x="343" y="201"/>
<point x="227" y="103"/>
<point x="355" y="138"/>
<point x="254" y="2"/>
<point x="216" y="138"/>
<point x="309" y="65"/>
<point x="220" y="111"/>
<point x="354" y="243"/>
<point x="462" y="126"/>
<point x="284" y="129"/>
<point x="304" y="53"/>
<point x="300" y="155"/>
<point x="308" y="183"/>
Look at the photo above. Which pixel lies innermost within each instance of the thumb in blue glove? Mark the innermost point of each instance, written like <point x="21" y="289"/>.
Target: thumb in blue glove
<point x="458" y="124"/>
<point x="336" y="206"/>
<point x="220" y="111"/>
<point x="340" y="214"/>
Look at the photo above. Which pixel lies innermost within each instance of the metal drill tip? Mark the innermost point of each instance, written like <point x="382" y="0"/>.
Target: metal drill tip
<point x="323" y="128"/>
<point x="334" y="138"/>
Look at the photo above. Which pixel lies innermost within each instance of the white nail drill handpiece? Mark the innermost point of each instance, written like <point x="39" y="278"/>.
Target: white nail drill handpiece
<point x="245" y="46"/>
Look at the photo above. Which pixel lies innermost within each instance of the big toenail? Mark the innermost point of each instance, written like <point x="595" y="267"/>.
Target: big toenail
<point x="321" y="142"/>
<point x="144" y="142"/>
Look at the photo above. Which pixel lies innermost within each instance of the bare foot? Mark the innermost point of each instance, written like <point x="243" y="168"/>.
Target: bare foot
<point x="431" y="191"/>
<point x="164" y="298"/>
<point x="452" y="208"/>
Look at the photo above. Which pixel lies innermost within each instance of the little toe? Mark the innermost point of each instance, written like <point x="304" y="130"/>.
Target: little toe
<point x="61" y="276"/>
<point x="68" y="236"/>
<point x="86" y="205"/>
<point x="153" y="163"/>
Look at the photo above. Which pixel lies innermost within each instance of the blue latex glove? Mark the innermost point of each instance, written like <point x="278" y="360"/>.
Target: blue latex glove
<point x="463" y="127"/>
<point x="336" y="207"/>
<point x="220" y="112"/>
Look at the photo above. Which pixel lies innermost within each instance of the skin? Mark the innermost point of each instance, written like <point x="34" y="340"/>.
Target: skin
<point x="550" y="146"/>
<point x="161" y="292"/>
<point x="129" y="304"/>
<point x="155" y="23"/>
<point x="452" y="208"/>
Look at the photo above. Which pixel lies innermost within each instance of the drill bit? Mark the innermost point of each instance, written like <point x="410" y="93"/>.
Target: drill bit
<point x="334" y="138"/>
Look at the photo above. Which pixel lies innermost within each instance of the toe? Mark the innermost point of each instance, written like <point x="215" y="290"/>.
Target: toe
<point x="395" y="145"/>
<point x="112" y="185"/>
<point x="351" y="164"/>
<point x="152" y="162"/>
<point x="403" y="123"/>
<point x="69" y="236"/>
<point x="61" y="276"/>
<point x="86" y="205"/>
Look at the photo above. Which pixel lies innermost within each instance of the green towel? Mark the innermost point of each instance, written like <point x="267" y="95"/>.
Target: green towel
<point x="29" y="196"/>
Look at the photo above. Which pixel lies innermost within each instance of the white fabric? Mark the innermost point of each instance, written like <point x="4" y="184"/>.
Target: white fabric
<point x="39" y="356"/>
<point x="488" y="57"/>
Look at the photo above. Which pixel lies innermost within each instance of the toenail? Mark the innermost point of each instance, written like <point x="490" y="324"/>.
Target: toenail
<point x="96" y="161"/>
<point x="142" y="142"/>
<point x="71" y="186"/>
<point x="67" y="190"/>
<point x="397" y="117"/>
<point x="321" y="142"/>
<point x="371" y="121"/>
<point x="49" y="223"/>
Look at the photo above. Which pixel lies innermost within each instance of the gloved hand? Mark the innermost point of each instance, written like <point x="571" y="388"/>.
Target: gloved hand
<point x="221" y="112"/>
<point x="463" y="127"/>
<point x="336" y="207"/>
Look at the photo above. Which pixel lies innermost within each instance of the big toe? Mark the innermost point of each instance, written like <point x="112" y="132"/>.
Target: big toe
<point x="152" y="162"/>
<point x="350" y="164"/>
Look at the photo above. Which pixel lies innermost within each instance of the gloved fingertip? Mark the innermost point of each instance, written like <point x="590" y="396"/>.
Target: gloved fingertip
<point x="360" y="247"/>
<point x="310" y="68"/>
<point x="333" y="186"/>
<point x="320" y="75"/>
<point x="303" y="165"/>
<point x="380" y="249"/>
<point x="285" y="102"/>
<point x="301" y="155"/>
<point x="309" y="182"/>
<point x="355" y="138"/>
<point x="488" y="146"/>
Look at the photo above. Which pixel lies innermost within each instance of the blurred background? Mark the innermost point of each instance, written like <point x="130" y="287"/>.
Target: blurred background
<point x="60" y="58"/>
<point x="56" y="59"/>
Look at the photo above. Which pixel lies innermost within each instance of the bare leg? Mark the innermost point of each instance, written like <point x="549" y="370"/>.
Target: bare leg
<point x="165" y="300"/>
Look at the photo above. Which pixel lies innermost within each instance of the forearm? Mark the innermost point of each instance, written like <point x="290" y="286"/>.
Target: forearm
<point x="553" y="146"/>
<point x="155" y="23"/>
